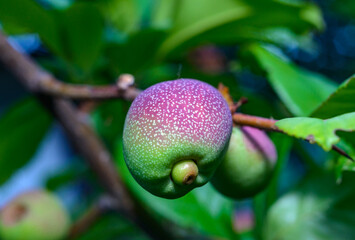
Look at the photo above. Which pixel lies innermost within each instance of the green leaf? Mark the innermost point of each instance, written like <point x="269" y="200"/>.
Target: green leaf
<point x="124" y="14"/>
<point x="163" y="13"/>
<point x="348" y="138"/>
<point x="343" y="164"/>
<point x="280" y="36"/>
<point x="26" y="16"/>
<point x="340" y="102"/>
<point x="301" y="90"/>
<point x="22" y="129"/>
<point x="195" y="17"/>
<point x="283" y="146"/>
<point x="322" y="132"/>
<point x="137" y="52"/>
<point x="203" y="209"/>
<point x="202" y="21"/>
<point x="345" y="8"/>
<point x="319" y="209"/>
<point x="340" y="164"/>
<point x="82" y="25"/>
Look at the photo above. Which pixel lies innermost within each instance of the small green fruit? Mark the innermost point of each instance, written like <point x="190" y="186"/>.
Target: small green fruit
<point x="248" y="164"/>
<point x="36" y="215"/>
<point x="175" y="136"/>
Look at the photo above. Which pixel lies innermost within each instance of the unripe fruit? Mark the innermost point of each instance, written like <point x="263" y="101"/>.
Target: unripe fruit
<point x="248" y="164"/>
<point x="175" y="136"/>
<point x="36" y="215"/>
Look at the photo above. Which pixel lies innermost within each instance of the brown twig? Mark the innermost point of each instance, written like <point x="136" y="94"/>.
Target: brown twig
<point x="104" y="204"/>
<point x="39" y="81"/>
<point x="269" y="124"/>
<point x="85" y="222"/>
<point x="57" y="88"/>
<point x="84" y="139"/>
<point x="257" y="122"/>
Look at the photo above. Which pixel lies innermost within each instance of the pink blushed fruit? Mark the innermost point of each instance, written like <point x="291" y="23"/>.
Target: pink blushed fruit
<point x="248" y="164"/>
<point x="175" y="135"/>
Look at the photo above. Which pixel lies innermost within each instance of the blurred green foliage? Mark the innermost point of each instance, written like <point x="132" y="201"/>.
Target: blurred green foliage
<point x="309" y="212"/>
<point x="92" y="42"/>
<point x="22" y="129"/>
<point x="334" y="105"/>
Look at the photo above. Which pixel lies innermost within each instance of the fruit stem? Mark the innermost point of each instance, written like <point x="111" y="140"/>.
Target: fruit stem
<point x="184" y="172"/>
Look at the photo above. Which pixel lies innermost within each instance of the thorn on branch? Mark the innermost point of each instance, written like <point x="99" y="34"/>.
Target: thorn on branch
<point x="235" y="106"/>
<point x="342" y="152"/>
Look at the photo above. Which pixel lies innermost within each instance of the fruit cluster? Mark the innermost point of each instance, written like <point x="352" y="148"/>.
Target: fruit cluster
<point x="176" y="137"/>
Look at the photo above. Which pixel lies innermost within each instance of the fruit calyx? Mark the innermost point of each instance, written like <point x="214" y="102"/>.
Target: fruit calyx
<point x="13" y="214"/>
<point x="184" y="172"/>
